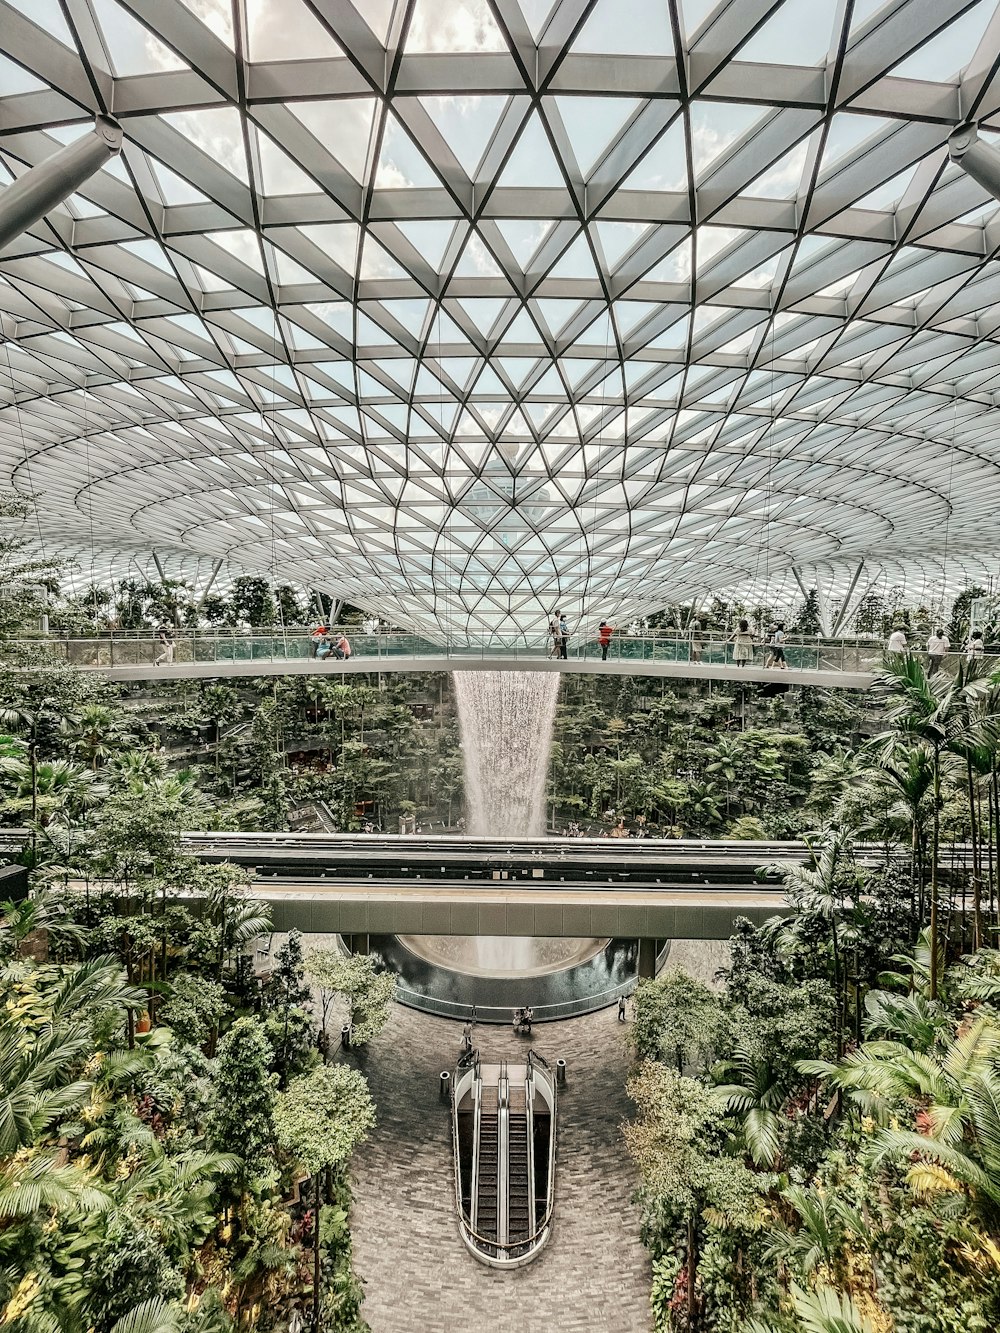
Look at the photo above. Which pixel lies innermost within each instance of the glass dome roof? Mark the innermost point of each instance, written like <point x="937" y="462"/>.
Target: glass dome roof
<point x="462" y="309"/>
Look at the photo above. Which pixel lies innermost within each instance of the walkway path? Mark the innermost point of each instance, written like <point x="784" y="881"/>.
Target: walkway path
<point x="361" y="664"/>
<point x="592" y="1277"/>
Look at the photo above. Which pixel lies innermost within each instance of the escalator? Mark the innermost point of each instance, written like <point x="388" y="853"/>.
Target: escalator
<point x="486" y="1191"/>
<point x="503" y="1120"/>
<point x="520" y="1201"/>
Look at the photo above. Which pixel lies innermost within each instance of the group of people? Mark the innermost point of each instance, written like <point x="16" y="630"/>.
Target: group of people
<point x="743" y="641"/>
<point x="324" y="644"/>
<point x="938" y="646"/>
<point x="559" y="635"/>
<point x="523" y="1019"/>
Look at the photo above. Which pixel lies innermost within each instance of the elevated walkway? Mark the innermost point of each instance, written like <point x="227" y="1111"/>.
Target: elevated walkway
<point x="202" y="656"/>
<point x="436" y="907"/>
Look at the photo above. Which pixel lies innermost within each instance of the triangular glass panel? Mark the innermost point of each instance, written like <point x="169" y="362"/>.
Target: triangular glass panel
<point x="593" y="123"/>
<point x="429" y="239"/>
<point x="483" y="312"/>
<point x="343" y="127"/>
<point x="376" y="262"/>
<point x="846" y="133"/>
<point x="716" y="126"/>
<point x="947" y="53"/>
<point x="639" y="28"/>
<point x="476" y="260"/>
<point x="401" y="166"/>
<point x="217" y="16"/>
<point x="576" y="262"/>
<point x="337" y="240"/>
<point x="287" y="30"/>
<point x="217" y="131"/>
<point x="617" y="238"/>
<point x="523" y="237"/>
<point x="889" y="192"/>
<point x="557" y="312"/>
<point x="288" y="270"/>
<point x="240" y="244"/>
<point x="673" y="267"/>
<point x="410" y="313"/>
<point x="279" y="174"/>
<point x="174" y="190"/>
<point x="132" y="48"/>
<point x="782" y="180"/>
<point x="800" y="33"/>
<point x="15" y="80"/>
<point x="48" y="15"/>
<point x="467" y="124"/>
<point x="532" y="163"/>
<point x="536" y="15"/>
<point x="453" y="25"/>
<point x="665" y="165"/>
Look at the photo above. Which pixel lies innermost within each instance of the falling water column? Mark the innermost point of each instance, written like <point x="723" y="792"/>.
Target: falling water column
<point x="506" y="720"/>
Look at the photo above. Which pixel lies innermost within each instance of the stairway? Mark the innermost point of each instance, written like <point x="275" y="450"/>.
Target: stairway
<point x="518" y="1184"/>
<point x="488" y="1191"/>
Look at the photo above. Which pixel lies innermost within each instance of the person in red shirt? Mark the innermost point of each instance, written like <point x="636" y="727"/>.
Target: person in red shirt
<point x="316" y="638"/>
<point x="604" y="634"/>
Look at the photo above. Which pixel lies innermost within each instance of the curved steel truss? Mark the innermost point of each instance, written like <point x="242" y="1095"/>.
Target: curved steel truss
<point x="465" y="308"/>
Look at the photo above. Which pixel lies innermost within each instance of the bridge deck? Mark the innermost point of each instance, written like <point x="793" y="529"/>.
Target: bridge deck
<point x="360" y="665"/>
<point x="430" y="908"/>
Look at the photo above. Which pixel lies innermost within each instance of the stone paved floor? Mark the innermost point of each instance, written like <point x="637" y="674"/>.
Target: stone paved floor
<point x="593" y="1274"/>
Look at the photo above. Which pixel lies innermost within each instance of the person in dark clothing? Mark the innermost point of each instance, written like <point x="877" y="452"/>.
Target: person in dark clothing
<point x="563" y="637"/>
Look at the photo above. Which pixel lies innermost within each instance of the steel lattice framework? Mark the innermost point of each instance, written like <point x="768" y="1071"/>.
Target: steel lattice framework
<point x="466" y="308"/>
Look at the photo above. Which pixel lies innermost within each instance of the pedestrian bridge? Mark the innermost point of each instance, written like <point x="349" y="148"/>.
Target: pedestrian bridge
<point x="844" y="664"/>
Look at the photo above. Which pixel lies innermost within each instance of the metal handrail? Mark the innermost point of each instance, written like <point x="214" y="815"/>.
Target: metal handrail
<point x="482" y="1241"/>
<point x="274" y="644"/>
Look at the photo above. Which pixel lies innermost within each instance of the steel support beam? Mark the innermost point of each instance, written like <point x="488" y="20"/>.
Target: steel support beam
<point x="51" y="182"/>
<point x="977" y="159"/>
<point x="845" y="605"/>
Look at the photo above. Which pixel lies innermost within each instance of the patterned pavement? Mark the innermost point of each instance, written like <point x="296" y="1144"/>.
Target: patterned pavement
<point x="592" y="1276"/>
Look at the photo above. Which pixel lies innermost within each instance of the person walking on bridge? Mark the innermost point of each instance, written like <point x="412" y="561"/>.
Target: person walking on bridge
<point x="604" y="634"/>
<point x="554" y="634"/>
<point x="742" y="641"/>
<point x="937" y="646"/>
<point x="776" y="648"/>
<point x="563" y="637"/>
<point x="165" y="639"/>
<point x="897" y="641"/>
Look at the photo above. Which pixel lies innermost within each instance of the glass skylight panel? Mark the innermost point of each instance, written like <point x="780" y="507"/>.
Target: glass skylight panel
<point x="287" y="30"/>
<point x="467" y="292"/>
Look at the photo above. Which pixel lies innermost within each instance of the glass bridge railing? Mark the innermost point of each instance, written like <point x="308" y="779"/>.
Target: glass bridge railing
<point x="265" y="645"/>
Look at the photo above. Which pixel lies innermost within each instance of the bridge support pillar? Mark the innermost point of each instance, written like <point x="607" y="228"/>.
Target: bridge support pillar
<point x="647" y="959"/>
<point x="358" y="943"/>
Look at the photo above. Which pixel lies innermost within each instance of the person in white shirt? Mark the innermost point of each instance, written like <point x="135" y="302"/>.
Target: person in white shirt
<point x="937" y="645"/>
<point x="975" y="647"/>
<point x="776" y="648"/>
<point x="897" y="642"/>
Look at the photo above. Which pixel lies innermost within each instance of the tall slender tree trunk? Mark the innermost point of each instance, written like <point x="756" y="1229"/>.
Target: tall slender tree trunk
<point x="935" y="840"/>
<point x="692" y="1304"/>
<point x="977" y="906"/>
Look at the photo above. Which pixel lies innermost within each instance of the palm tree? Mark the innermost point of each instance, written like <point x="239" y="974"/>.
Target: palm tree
<point x="758" y="1098"/>
<point x="917" y="713"/>
<point x="99" y="733"/>
<point x="819" y="891"/>
<point x="823" y="1220"/>
<point x="821" y="1311"/>
<point x="957" y="1090"/>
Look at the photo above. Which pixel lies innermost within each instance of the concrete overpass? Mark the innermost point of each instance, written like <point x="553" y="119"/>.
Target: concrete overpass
<point x="428" y="907"/>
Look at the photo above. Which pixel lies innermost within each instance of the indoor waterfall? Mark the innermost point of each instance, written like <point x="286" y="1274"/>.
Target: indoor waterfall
<point x="506" y="720"/>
